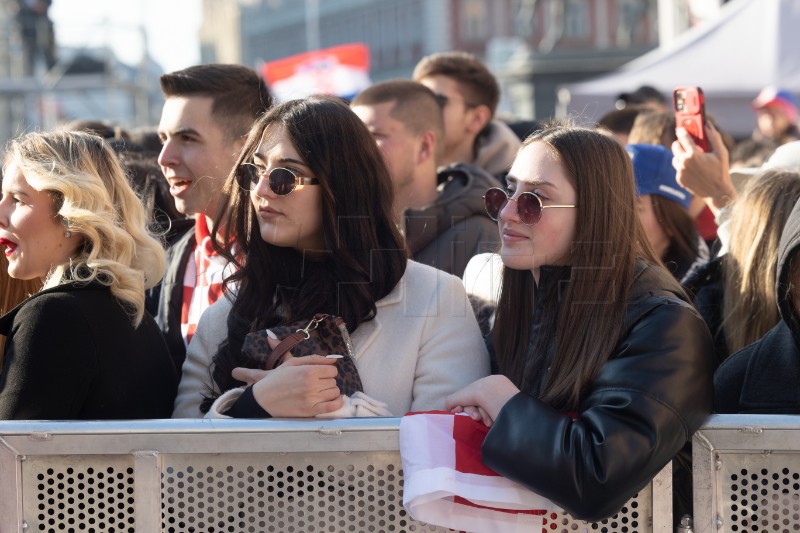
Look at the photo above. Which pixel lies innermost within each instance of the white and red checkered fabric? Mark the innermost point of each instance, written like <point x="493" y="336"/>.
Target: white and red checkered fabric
<point x="202" y="283"/>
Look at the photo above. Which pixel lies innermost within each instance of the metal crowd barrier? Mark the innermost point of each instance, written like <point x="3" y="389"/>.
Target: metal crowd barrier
<point x="236" y="476"/>
<point x="747" y="474"/>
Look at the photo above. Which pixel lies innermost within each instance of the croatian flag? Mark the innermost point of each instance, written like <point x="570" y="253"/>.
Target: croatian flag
<point x="446" y="483"/>
<point x="341" y="71"/>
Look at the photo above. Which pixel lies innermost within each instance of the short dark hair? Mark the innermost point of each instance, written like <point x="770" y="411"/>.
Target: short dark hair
<point x="620" y="120"/>
<point x="476" y="81"/>
<point x="642" y="95"/>
<point x="240" y="95"/>
<point x="415" y="106"/>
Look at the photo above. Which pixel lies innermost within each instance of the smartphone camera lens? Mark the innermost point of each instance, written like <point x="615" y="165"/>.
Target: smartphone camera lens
<point x="679" y="102"/>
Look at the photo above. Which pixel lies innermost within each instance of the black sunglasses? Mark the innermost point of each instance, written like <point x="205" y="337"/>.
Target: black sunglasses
<point x="529" y="205"/>
<point x="281" y="180"/>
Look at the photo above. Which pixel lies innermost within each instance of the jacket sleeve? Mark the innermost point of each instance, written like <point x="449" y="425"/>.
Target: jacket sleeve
<point x="196" y="381"/>
<point x="638" y="412"/>
<point x="729" y="381"/>
<point x="452" y="353"/>
<point x="50" y="362"/>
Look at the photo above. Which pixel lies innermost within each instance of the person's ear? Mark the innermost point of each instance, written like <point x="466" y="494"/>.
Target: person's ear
<point x="427" y="147"/>
<point x="479" y="117"/>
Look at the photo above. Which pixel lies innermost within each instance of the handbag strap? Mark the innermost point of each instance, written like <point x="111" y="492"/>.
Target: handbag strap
<point x="292" y="340"/>
<point x="288" y="342"/>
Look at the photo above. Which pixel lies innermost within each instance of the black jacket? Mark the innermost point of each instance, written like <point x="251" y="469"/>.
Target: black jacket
<point x="637" y="414"/>
<point x="455" y="227"/>
<point x="72" y="353"/>
<point x="165" y="300"/>
<point x="705" y="285"/>
<point x="763" y="377"/>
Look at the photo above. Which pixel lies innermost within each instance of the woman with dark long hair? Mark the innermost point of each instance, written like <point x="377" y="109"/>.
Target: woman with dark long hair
<point x="309" y="226"/>
<point x="604" y="367"/>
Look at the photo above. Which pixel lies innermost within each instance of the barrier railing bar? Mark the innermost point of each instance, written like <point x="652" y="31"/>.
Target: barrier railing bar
<point x="10" y="483"/>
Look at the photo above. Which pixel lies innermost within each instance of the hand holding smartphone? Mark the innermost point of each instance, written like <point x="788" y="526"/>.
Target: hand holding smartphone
<point x="690" y="113"/>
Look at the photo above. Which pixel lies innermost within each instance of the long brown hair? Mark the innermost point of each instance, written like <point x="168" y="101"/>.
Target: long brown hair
<point x="678" y="225"/>
<point x="586" y="318"/>
<point x="749" y="303"/>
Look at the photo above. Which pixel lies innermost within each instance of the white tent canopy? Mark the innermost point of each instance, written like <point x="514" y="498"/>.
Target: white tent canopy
<point x="752" y="44"/>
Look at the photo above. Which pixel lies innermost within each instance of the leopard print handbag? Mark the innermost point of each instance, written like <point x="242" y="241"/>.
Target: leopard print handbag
<point x="322" y="335"/>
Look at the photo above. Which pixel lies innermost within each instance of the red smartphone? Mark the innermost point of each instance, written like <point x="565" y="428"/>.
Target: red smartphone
<point x="690" y="113"/>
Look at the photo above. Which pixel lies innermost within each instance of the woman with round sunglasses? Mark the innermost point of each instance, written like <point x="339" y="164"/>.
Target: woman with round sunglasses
<point x="309" y="222"/>
<point x="604" y="368"/>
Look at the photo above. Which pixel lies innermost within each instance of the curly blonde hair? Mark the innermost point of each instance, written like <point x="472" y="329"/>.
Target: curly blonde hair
<point x="92" y="197"/>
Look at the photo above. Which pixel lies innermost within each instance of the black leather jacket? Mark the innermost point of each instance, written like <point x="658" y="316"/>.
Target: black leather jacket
<point x="646" y="402"/>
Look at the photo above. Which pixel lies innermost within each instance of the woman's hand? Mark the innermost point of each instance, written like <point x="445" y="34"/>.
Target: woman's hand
<point x="706" y="175"/>
<point x="482" y="399"/>
<point x="301" y="387"/>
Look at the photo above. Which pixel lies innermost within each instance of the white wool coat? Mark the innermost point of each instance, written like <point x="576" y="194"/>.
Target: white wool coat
<point x="423" y="344"/>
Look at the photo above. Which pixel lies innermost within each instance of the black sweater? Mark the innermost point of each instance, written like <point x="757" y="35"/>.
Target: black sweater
<point x="72" y="353"/>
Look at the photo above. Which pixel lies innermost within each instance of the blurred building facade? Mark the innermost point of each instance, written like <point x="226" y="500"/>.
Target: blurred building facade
<point x="531" y="45"/>
<point x="88" y="83"/>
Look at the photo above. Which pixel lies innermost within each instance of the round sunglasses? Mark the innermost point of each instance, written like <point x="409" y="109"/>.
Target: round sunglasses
<point x="529" y="205"/>
<point x="282" y="181"/>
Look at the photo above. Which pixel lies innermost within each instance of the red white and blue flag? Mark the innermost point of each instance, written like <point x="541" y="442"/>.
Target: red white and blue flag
<point x="341" y="71"/>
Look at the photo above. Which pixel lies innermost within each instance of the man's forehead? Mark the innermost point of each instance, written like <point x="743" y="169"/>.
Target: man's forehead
<point x="189" y="115"/>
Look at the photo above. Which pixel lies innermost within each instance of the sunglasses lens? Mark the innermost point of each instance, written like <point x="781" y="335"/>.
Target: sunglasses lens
<point x="495" y="200"/>
<point x="529" y="208"/>
<point x="281" y="181"/>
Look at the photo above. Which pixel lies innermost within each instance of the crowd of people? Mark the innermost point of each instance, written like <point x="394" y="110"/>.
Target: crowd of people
<point x="590" y="294"/>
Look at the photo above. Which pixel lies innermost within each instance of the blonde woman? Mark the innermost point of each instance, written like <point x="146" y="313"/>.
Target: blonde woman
<point x="83" y="347"/>
<point x="735" y="293"/>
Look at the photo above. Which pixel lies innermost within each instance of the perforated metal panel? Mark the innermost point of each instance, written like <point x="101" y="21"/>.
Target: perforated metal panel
<point x="746" y="471"/>
<point x="80" y="494"/>
<point x="339" y="492"/>
<point x="229" y="476"/>
<point x="334" y="492"/>
<point x="326" y="492"/>
<point x="634" y="517"/>
<point x="763" y="497"/>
